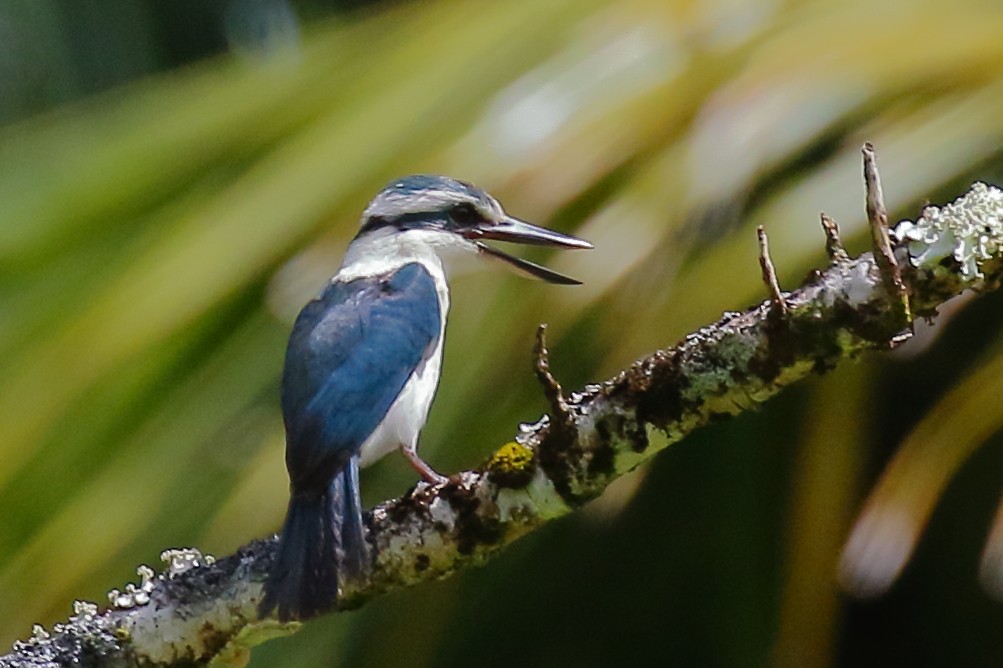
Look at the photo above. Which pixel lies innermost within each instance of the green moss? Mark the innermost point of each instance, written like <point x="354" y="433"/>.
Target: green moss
<point x="512" y="465"/>
<point x="237" y="652"/>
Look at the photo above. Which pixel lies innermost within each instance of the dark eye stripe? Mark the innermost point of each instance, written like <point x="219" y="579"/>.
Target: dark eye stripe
<point x="466" y="215"/>
<point x="409" y="221"/>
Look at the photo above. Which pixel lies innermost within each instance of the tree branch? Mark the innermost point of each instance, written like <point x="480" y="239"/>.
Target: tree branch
<point x="197" y="611"/>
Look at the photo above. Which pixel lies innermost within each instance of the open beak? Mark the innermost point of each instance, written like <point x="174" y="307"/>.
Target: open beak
<point x="513" y="230"/>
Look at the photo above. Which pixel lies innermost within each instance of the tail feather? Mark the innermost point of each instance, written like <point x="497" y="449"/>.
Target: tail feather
<point x="323" y="545"/>
<point x="353" y="557"/>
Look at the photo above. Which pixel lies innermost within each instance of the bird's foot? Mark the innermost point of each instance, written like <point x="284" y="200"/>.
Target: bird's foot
<point x="426" y="472"/>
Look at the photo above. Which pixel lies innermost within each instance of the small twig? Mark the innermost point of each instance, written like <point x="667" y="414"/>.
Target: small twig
<point x="877" y="219"/>
<point x="562" y="414"/>
<point x="770" y="272"/>
<point x="833" y="244"/>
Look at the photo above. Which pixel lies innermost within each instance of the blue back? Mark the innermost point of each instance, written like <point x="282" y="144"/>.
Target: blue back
<point x="350" y="353"/>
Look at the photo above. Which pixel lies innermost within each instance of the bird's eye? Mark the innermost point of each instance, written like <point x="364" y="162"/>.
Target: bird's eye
<point x="465" y="214"/>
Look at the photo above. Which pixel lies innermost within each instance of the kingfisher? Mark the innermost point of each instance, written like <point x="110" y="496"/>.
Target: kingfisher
<point x="362" y="367"/>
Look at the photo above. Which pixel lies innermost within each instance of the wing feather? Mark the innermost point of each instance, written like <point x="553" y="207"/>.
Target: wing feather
<point x="351" y="352"/>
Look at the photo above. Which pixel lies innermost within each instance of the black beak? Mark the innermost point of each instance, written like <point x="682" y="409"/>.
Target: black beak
<point x="513" y="230"/>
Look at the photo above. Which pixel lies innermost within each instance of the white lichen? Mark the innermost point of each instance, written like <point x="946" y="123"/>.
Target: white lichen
<point x="855" y="287"/>
<point x="184" y="559"/>
<point x="539" y="498"/>
<point x="859" y="284"/>
<point x="970" y="230"/>
<point x="135" y="595"/>
<point x="83" y="611"/>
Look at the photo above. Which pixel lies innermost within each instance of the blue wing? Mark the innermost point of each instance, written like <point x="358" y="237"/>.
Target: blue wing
<point x="350" y="353"/>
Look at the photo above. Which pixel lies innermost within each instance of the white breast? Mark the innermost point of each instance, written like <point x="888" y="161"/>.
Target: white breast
<point x="408" y="412"/>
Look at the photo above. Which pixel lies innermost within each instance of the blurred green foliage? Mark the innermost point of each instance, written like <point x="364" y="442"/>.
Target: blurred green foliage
<point x="157" y="239"/>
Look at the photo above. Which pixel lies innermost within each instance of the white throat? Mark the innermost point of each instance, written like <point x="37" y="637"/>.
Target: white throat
<point x="382" y="252"/>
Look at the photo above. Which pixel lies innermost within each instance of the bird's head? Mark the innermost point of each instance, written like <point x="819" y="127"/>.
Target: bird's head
<point x="454" y="216"/>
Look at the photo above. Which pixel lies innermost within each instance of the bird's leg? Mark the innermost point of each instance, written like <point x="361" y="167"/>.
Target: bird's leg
<point x="427" y="473"/>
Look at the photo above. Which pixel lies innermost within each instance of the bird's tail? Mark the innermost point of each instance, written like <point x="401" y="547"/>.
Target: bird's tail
<point x="323" y="544"/>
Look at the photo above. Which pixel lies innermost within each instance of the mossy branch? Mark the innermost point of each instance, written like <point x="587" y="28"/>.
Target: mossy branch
<point x="199" y="612"/>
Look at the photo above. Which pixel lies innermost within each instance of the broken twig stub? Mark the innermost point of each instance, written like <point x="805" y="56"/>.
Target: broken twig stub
<point x="770" y="272"/>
